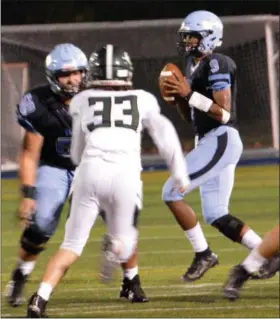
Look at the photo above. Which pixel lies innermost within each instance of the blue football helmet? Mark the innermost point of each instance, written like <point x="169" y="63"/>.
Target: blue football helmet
<point x="207" y="26"/>
<point x="65" y="58"/>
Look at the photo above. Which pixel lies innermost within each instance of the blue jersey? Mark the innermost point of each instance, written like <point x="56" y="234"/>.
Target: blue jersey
<point x="41" y="111"/>
<point x="214" y="73"/>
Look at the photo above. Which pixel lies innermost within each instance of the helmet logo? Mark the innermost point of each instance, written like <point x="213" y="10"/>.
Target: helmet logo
<point x="126" y="57"/>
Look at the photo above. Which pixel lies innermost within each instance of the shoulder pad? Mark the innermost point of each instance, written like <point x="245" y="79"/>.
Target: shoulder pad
<point x="148" y="101"/>
<point x="30" y="102"/>
<point x="217" y="56"/>
<point x="42" y="91"/>
<point x="74" y="107"/>
<point x="216" y="61"/>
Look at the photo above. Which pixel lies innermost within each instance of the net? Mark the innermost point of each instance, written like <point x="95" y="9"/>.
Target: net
<point x="14" y="81"/>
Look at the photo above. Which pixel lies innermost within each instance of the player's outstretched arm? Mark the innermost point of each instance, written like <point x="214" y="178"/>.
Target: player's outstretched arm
<point x="166" y="139"/>
<point x="78" y="136"/>
<point x="78" y="141"/>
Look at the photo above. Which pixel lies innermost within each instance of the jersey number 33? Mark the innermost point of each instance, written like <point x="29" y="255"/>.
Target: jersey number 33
<point x="124" y="108"/>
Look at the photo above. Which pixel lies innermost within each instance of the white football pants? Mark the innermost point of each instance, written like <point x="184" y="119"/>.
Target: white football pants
<point x="114" y="188"/>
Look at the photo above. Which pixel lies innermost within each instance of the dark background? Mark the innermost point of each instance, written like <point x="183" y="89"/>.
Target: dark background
<point x="42" y="11"/>
<point x="150" y="48"/>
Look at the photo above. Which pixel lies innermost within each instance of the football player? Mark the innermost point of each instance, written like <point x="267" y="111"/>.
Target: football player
<point x="207" y="98"/>
<point x="46" y="170"/>
<point x="131" y="288"/>
<point x="253" y="264"/>
<point x="106" y="143"/>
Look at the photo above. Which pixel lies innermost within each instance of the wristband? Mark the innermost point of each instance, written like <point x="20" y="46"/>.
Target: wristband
<point x="200" y="102"/>
<point x="28" y="191"/>
<point x="225" y="116"/>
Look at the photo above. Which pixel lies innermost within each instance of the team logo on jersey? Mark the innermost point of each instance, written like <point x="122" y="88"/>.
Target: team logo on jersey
<point x="214" y="65"/>
<point x="26" y="105"/>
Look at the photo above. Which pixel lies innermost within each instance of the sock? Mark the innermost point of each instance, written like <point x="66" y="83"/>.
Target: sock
<point x="251" y="239"/>
<point x="130" y="273"/>
<point x="45" y="290"/>
<point x="204" y="253"/>
<point x="254" y="261"/>
<point x="196" y="238"/>
<point x="26" y="267"/>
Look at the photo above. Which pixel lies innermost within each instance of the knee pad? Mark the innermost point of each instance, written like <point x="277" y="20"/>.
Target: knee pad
<point x="230" y="226"/>
<point x="126" y="245"/>
<point x="33" y="240"/>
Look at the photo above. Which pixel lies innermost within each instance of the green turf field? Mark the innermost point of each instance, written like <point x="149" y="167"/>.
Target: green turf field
<point x="164" y="257"/>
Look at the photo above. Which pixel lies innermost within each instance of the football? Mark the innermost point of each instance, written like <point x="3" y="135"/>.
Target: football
<point x="169" y="70"/>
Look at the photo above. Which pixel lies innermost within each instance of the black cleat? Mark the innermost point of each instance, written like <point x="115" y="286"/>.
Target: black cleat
<point x="269" y="269"/>
<point x="237" y="278"/>
<point x="199" y="266"/>
<point x="15" y="288"/>
<point x="132" y="290"/>
<point x="36" y="307"/>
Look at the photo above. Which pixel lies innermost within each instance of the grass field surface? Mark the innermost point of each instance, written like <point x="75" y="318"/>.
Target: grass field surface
<point x="164" y="255"/>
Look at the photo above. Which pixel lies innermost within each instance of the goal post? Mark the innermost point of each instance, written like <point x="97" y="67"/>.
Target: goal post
<point x="250" y="40"/>
<point x="273" y="79"/>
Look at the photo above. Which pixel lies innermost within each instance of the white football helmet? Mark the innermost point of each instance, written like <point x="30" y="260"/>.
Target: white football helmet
<point x="207" y="25"/>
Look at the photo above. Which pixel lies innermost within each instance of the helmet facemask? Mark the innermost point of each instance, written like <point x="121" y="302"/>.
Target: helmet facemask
<point x="191" y="42"/>
<point x="63" y="60"/>
<point x="68" y="90"/>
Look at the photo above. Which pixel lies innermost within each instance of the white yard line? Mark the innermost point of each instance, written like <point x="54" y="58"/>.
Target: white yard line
<point x="180" y="286"/>
<point x="194" y="308"/>
<point x="78" y="307"/>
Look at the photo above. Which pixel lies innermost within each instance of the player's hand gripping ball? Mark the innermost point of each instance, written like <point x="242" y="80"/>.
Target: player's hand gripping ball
<point x="173" y="84"/>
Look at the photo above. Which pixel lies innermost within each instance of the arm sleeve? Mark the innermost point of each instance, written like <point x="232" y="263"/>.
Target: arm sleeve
<point x="166" y="139"/>
<point x="78" y="136"/>
<point x="219" y="74"/>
